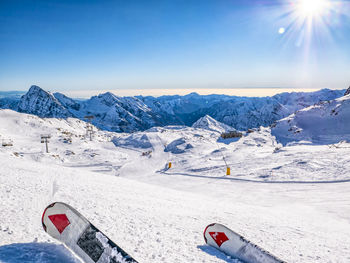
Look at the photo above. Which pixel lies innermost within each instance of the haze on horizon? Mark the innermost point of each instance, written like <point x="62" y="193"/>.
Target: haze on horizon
<point x="174" y="46"/>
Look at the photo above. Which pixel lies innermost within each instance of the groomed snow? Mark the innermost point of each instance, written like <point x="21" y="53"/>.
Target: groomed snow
<point x="293" y="201"/>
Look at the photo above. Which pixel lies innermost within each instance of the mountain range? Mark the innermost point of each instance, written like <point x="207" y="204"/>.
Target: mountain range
<point x="129" y="114"/>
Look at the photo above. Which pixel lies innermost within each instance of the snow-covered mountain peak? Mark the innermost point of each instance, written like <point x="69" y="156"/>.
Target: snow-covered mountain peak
<point x="36" y="91"/>
<point x="108" y="98"/>
<point x="35" y="88"/>
<point x="42" y="103"/>
<point x="118" y="113"/>
<point x="191" y="95"/>
<point x="209" y="123"/>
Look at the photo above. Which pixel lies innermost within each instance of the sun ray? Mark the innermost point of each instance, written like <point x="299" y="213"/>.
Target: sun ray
<point x="312" y="8"/>
<point x="307" y="21"/>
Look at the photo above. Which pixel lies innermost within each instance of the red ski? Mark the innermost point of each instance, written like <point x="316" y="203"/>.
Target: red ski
<point x="67" y="225"/>
<point x="233" y="244"/>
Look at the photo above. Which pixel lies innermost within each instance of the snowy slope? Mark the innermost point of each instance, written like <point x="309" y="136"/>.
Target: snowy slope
<point x="323" y="123"/>
<point x="278" y="197"/>
<point x="192" y="151"/>
<point x="157" y="224"/>
<point x="66" y="101"/>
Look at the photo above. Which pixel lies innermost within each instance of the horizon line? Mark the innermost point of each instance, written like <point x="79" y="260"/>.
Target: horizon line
<point x="157" y="92"/>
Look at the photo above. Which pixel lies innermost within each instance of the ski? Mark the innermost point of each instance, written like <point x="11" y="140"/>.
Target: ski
<point x="67" y="225"/>
<point x="235" y="245"/>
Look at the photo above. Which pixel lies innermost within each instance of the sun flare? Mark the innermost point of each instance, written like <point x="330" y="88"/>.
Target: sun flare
<point x="311" y="23"/>
<point x="312" y="8"/>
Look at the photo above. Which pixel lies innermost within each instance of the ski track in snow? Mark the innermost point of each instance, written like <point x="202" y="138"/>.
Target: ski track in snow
<point x="158" y="214"/>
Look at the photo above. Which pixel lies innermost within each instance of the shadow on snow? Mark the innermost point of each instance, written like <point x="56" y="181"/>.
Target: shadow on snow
<point x="218" y="254"/>
<point x="36" y="253"/>
<point x="256" y="181"/>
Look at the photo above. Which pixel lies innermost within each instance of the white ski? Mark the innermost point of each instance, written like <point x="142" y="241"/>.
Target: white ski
<point x="67" y="225"/>
<point x="233" y="244"/>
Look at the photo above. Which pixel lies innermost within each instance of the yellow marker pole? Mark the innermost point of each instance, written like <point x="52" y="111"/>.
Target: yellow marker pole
<point x="169" y="165"/>
<point x="228" y="171"/>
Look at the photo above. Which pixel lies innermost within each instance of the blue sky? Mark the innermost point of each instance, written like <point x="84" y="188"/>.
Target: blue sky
<point x="178" y="44"/>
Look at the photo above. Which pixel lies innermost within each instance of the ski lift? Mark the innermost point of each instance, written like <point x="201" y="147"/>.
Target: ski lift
<point x="45" y="139"/>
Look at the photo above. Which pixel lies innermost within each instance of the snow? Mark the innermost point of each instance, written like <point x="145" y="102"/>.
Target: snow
<point x="211" y="124"/>
<point x="42" y="103"/>
<point x="324" y="123"/>
<point x="36" y="252"/>
<point x="131" y="114"/>
<point x="136" y="140"/>
<point x="291" y="200"/>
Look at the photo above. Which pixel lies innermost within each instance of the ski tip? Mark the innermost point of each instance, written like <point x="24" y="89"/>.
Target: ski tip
<point x="42" y="217"/>
<point x="205" y="230"/>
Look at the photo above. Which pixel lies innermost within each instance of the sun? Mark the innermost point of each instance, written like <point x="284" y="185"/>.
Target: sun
<point x="312" y="8"/>
<point x="309" y="24"/>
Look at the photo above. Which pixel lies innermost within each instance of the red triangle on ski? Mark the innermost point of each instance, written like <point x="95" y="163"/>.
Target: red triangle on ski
<point x="60" y="221"/>
<point x="219" y="237"/>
